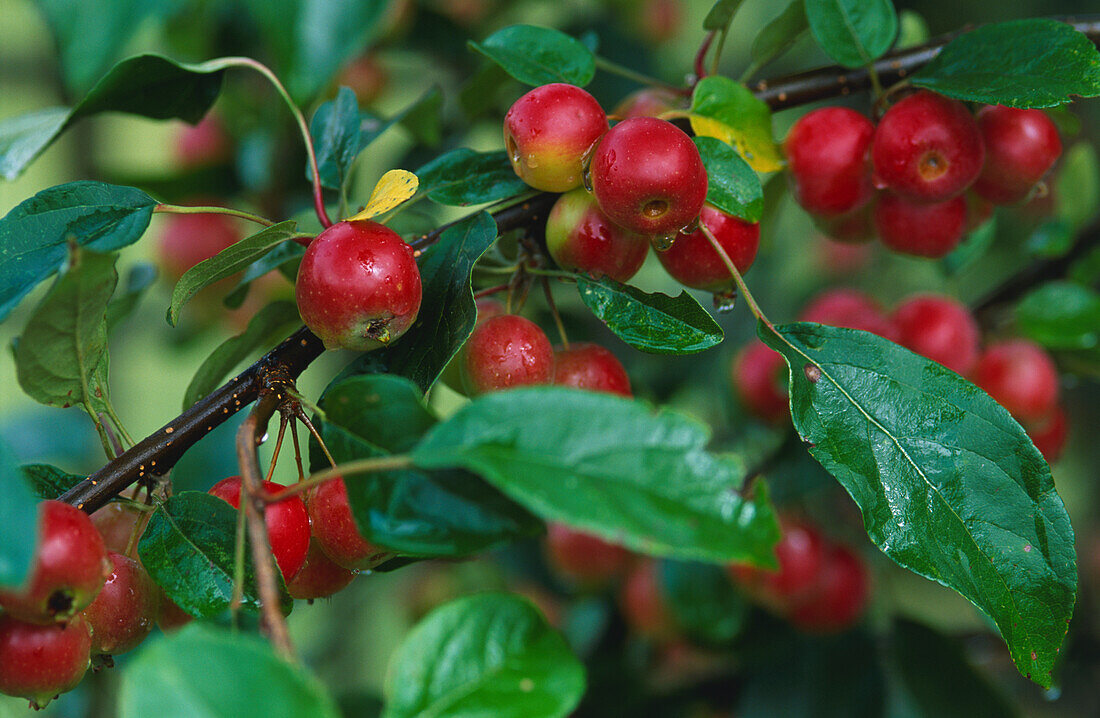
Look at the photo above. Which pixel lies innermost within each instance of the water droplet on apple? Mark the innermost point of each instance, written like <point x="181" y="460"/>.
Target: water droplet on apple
<point x="726" y="301"/>
<point x="662" y="242"/>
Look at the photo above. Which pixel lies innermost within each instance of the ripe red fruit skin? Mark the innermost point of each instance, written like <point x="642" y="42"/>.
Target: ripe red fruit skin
<point x="1020" y="147"/>
<point x="334" y="527"/>
<point x="171" y="617"/>
<point x="126" y="610"/>
<point x="928" y="148"/>
<point x="287" y="523"/>
<point x="584" y="559"/>
<point x="648" y="176"/>
<point x="1021" y="377"/>
<point x="838" y="596"/>
<point x="922" y="230"/>
<point x="320" y="577"/>
<point x="358" y="286"/>
<point x="828" y="157"/>
<point x="693" y="262"/>
<point x="39" y="662"/>
<point x="757" y="373"/>
<point x="69" y="568"/>
<point x="647" y="102"/>
<point x="644" y="605"/>
<point x="589" y="366"/>
<point x="800" y="552"/>
<point x="941" y="329"/>
<point x="190" y="238"/>
<point x="505" y="352"/>
<point x="849" y="308"/>
<point x="548" y="132"/>
<point x="204" y="144"/>
<point x="855" y="228"/>
<point x="1050" y="436"/>
<point x="580" y="237"/>
<point x="115" y="522"/>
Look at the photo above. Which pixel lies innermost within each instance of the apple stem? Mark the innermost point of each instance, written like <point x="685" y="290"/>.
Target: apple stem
<point x="554" y="312"/>
<point x="737" y="278"/>
<point x="351" y="468"/>
<point x="182" y="209"/>
<point x="622" y="71"/>
<point x="701" y="57"/>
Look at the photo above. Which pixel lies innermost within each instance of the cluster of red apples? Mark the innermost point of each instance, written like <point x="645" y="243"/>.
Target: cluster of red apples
<point x="928" y="173"/>
<point x="1017" y="373"/>
<point x="626" y="187"/>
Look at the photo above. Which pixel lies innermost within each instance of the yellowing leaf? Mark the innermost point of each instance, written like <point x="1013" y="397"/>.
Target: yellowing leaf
<point x="395" y="187"/>
<point x="728" y="111"/>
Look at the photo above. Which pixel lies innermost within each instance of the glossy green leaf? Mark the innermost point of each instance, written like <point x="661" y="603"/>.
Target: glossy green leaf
<point x="138" y="280"/>
<point x="1021" y="63"/>
<point x="853" y="32"/>
<point x="226" y="263"/>
<point x="208" y="672"/>
<point x="312" y="39"/>
<point x="49" y="482"/>
<point x="1061" y="315"/>
<point x="146" y="85"/>
<point x="447" y="312"/>
<point x="1052" y="238"/>
<point x="653" y="323"/>
<point x="389" y="411"/>
<point x="1077" y="188"/>
<point x="18" y="521"/>
<point x="489" y="654"/>
<point x="611" y="467"/>
<point x="938" y="678"/>
<point x="265" y="329"/>
<point x="729" y="111"/>
<point x="703" y="600"/>
<point x="779" y="34"/>
<point x="284" y="258"/>
<point x="61" y="357"/>
<point x="732" y="186"/>
<point x="188" y="550"/>
<point x="949" y="484"/>
<point x="463" y="177"/>
<point x="539" y="55"/>
<point x="721" y="14"/>
<point x="34" y="236"/>
<point x="971" y="249"/>
<point x="335" y="132"/>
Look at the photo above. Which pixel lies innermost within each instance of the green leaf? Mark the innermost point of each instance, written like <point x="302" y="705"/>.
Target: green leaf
<point x="34" y="236"/>
<point x="19" y="518"/>
<point x="1077" y="189"/>
<point x="779" y="34"/>
<point x="1050" y="239"/>
<point x="912" y="30"/>
<point x="447" y="312"/>
<point x="188" y="550"/>
<point x="140" y="277"/>
<point x="387" y="410"/>
<point x="939" y="679"/>
<point x="539" y="55"/>
<point x="484" y="655"/>
<point x="950" y="486"/>
<point x="61" y="358"/>
<point x="285" y="258"/>
<point x="853" y="32"/>
<point x="226" y="263"/>
<point x="1021" y="63"/>
<point x="312" y="39"/>
<point x="732" y="185"/>
<point x="146" y="85"/>
<point x="268" y="325"/>
<point x="728" y="111"/>
<point x="609" y="466"/>
<point x="49" y="482"/>
<point x="424" y="118"/>
<point x="971" y="249"/>
<point x="463" y="177"/>
<point x="652" y="323"/>
<point x="721" y="14"/>
<point x="207" y="672"/>
<point x="703" y="600"/>
<point x="1061" y="315"/>
<point x="335" y="132"/>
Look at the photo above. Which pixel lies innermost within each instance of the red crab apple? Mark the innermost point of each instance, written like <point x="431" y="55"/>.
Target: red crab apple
<point x="504" y="352"/>
<point x="580" y="237"/>
<point x="1050" y="436"/>
<point x="693" y="261"/>
<point x="922" y="230"/>
<point x="206" y="143"/>
<point x="828" y="157"/>
<point x="927" y="148"/>
<point x="648" y="102"/>
<point x="848" y="308"/>
<point x="190" y="238"/>
<point x="759" y="376"/>
<point x="335" y="530"/>
<point x="69" y="568"/>
<point x="838" y="596"/>
<point x="358" y="286"/>
<point x="800" y="553"/>
<point x="648" y="176"/>
<point x="586" y="365"/>
<point x="116" y="523"/>
<point x="1021" y="377"/>
<point x="39" y="662"/>
<point x="584" y="559"/>
<point x="548" y="133"/>
<point x="1020" y="147"/>
<point x="126" y="610"/>
<point x="940" y="329"/>
<point x="644" y="605"/>
<point x="287" y="523"/>
<point x="320" y="577"/>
